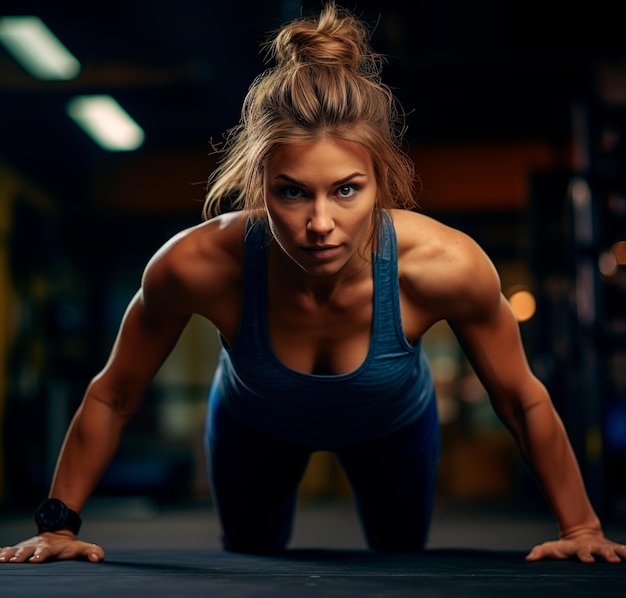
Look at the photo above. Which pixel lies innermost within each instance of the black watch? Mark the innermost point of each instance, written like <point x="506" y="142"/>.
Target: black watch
<point x="53" y="515"/>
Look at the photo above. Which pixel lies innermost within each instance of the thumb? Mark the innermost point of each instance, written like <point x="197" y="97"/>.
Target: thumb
<point x="533" y="555"/>
<point x="536" y="554"/>
<point x="93" y="553"/>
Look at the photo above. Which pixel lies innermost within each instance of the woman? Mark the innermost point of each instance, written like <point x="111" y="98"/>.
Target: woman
<point x="321" y="280"/>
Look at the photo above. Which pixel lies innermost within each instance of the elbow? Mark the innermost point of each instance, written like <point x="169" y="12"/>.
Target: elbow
<point x="518" y="406"/>
<point x="517" y="401"/>
<point x="120" y="405"/>
<point x="532" y="420"/>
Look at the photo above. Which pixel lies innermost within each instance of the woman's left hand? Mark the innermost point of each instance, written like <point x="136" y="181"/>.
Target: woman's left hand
<point x="586" y="547"/>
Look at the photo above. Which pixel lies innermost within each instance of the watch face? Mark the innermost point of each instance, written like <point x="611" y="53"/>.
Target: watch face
<point x="52" y="514"/>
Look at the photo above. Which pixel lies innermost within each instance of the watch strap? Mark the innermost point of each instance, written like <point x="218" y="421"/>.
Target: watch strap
<point x="53" y="515"/>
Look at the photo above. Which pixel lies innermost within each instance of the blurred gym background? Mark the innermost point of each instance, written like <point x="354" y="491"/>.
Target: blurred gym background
<point x="516" y="116"/>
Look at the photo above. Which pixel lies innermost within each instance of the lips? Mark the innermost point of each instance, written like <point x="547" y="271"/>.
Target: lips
<point x="321" y="253"/>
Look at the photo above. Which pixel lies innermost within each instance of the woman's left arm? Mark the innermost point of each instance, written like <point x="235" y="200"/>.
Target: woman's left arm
<point x="489" y="335"/>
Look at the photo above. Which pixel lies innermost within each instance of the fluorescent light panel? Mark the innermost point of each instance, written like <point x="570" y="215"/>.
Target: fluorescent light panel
<point x="37" y="49"/>
<point x="106" y="122"/>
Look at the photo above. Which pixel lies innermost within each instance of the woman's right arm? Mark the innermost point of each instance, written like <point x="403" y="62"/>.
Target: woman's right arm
<point x="150" y="329"/>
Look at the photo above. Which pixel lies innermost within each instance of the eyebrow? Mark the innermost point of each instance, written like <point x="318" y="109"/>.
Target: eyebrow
<point x="341" y="181"/>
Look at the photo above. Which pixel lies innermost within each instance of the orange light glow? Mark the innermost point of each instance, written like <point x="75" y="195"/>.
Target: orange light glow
<point x="522" y="303"/>
<point x="619" y="251"/>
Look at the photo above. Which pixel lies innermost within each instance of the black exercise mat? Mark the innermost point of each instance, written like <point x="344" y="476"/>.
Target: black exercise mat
<point x="328" y="573"/>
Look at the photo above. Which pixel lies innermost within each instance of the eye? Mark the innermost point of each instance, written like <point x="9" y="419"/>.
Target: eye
<point x="347" y="190"/>
<point x="291" y="192"/>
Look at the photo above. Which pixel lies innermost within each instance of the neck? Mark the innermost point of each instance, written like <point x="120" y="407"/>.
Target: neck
<point x="322" y="289"/>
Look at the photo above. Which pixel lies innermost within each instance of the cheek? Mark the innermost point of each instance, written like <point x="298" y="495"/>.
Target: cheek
<point x="279" y="230"/>
<point x="364" y="225"/>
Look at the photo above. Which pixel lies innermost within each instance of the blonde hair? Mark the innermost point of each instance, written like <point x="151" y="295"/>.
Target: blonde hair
<point x="325" y="82"/>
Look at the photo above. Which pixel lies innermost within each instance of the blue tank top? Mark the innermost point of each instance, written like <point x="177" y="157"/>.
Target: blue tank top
<point x="388" y="391"/>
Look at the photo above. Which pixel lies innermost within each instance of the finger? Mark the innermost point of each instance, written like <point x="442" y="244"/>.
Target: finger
<point x="39" y="556"/>
<point x="93" y="553"/>
<point x="610" y="555"/>
<point x="533" y="555"/>
<point x="81" y="550"/>
<point x="537" y="553"/>
<point x="548" y="550"/>
<point x="584" y="555"/>
<point x="21" y="555"/>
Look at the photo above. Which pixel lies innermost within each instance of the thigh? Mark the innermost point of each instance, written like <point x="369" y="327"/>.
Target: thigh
<point x="394" y="482"/>
<point x="254" y="480"/>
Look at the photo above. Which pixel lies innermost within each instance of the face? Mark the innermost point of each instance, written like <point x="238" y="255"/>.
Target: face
<point x="320" y="198"/>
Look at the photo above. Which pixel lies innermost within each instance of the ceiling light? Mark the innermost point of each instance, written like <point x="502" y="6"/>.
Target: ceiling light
<point x="37" y="49"/>
<point x="106" y="122"/>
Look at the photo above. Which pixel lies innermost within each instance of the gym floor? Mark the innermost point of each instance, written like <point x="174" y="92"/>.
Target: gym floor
<point x="175" y="551"/>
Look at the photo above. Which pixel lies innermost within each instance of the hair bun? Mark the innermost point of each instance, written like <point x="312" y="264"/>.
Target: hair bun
<point x="336" y="38"/>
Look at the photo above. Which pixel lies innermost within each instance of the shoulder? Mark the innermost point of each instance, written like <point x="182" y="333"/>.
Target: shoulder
<point x="198" y="263"/>
<point x="443" y="269"/>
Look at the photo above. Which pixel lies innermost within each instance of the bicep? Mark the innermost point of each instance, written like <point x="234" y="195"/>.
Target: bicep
<point x="493" y="346"/>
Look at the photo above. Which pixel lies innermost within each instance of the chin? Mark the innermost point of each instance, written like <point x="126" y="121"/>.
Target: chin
<point x="328" y="269"/>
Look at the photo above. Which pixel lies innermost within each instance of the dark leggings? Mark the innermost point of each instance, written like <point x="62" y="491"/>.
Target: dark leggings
<point x="255" y="477"/>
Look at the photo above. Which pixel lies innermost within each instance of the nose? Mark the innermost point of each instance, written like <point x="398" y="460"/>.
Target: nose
<point x="320" y="219"/>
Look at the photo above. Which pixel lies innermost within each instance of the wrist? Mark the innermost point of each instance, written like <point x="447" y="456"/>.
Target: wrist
<point x="591" y="526"/>
<point x="53" y="515"/>
<point x="66" y="533"/>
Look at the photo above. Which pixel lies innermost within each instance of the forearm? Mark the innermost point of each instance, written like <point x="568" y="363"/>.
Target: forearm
<point x="90" y="444"/>
<point x="545" y="447"/>
<point x="112" y="398"/>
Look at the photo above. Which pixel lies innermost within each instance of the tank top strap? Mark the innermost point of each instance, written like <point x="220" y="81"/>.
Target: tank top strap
<point x="387" y="322"/>
<point x="388" y="329"/>
<point x="254" y="297"/>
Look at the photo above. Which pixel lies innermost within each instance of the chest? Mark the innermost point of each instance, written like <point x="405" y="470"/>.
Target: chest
<point x="321" y="337"/>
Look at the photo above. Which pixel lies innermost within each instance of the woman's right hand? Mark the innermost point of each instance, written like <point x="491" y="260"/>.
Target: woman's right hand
<point x="61" y="545"/>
